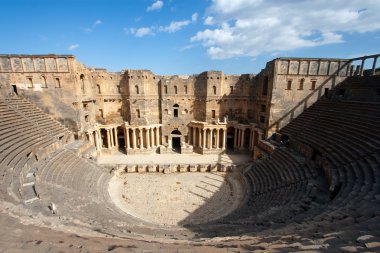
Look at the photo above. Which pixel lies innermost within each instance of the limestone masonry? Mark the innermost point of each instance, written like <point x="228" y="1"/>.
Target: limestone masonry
<point x="139" y="112"/>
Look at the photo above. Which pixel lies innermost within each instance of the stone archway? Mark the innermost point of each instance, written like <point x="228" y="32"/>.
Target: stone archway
<point x="176" y="141"/>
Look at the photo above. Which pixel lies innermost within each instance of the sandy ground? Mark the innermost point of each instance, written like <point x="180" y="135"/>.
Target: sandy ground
<point x="178" y="198"/>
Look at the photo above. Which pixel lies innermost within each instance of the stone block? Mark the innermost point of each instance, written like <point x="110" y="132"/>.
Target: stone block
<point x="183" y="168"/>
<point x="141" y="168"/>
<point x="193" y="168"/>
<point x="131" y="168"/>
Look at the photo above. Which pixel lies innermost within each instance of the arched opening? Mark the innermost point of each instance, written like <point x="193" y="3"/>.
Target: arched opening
<point x="176" y="141"/>
<point x="230" y="138"/>
<point x="214" y="90"/>
<point x="99" y="90"/>
<point x="82" y="83"/>
<point x="137" y="89"/>
<point x="120" y="138"/>
<point x="175" y="90"/>
<point x="175" y="110"/>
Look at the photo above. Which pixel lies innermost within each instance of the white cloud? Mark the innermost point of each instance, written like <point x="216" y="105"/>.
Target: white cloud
<point x="142" y="31"/>
<point x="72" y="47"/>
<point x="253" y="27"/>
<point x="209" y="20"/>
<point x="194" y="17"/>
<point x="175" y="26"/>
<point x="155" y="6"/>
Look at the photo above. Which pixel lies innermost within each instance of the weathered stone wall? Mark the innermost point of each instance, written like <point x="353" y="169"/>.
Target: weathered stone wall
<point x="109" y="96"/>
<point x="297" y="84"/>
<point x="143" y="102"/>
<point x="57" y="84"/>
<point x="79" y="96"/>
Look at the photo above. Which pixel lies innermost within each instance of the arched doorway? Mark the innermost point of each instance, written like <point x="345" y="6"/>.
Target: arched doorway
<point x="176" y="141"/>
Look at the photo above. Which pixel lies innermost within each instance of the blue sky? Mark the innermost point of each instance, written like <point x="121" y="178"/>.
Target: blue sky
<point x="190" y="36"/>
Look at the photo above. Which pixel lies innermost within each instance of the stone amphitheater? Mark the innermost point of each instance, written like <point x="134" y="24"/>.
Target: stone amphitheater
<point x="286" y="160"/>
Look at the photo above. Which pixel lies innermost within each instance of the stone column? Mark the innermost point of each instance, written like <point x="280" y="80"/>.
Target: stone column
<point x="126" y="138"/>
<point x="199" y="137"/>
<point x="217" y="138"/>
<point x="204" y="139"/>
<point x="100" y="139"/>
<point x="151" y="139"/>
<point x="211" y="138"/>
<point x="194" y="137"/>
<point x="97" y="140"/>
<point x="154" y="136"/>
<point x="224" y="138"/>
<point x="116" y="138"/>
<point x="158" y="136"/>
<point x="242" y="138"/>
<point x="148" y="138"/>
<point x="108" y="139"/>
<point x="134" y="137"/>
<point x="141" y="138"/>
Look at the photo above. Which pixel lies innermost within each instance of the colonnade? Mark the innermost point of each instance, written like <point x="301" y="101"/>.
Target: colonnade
<point x="255" y="135"/>
<point x="142" y="137"/>
<point x="208" y="137"/>
<point x="239" y="137"/>
<point x="111" y="139"/>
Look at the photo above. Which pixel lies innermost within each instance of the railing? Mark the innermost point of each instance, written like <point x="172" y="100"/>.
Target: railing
<point x="360" y="70"/>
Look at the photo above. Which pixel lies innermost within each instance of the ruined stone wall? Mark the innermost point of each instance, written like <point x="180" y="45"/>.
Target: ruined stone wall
<point x="143" y="103"/>
<point x="298" y="83"/>
<point x="79" y="96"/>
<point x="262" y="92"/>
<point x="56" y="83"/>
<point x="110" y="94"/>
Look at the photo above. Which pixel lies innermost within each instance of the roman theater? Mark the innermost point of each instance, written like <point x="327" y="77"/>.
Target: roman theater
<point x="285" y="160"/>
